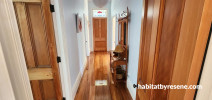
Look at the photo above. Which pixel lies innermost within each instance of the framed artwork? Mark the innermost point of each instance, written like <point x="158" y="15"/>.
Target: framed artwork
<point x="78" y="23"/>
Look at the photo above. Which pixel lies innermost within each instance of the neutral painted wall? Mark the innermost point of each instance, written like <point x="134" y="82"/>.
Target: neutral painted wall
<point x="206" y="92"/>
<point x="135" y="8"/>
<point x="75" y="42"/>
<point x="91" y="7"/>
<point x="6" y="91"/>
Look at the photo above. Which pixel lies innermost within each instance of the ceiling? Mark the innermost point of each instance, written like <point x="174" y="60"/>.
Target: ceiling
<point x="100" y="3"/>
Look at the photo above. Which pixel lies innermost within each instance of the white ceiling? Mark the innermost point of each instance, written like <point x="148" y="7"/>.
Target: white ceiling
<point x="99" y="3"/>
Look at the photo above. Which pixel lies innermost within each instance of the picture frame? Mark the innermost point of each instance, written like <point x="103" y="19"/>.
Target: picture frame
<point x="78" y="23"/>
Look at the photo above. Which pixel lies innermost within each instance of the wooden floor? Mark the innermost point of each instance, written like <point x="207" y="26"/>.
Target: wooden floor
<point x="98" y="69"/>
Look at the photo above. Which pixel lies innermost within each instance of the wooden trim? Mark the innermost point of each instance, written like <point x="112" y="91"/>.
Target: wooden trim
<point x="143" y="18"/>
<point x="123" y="19"/>
<point x="200" y="46"/>
<point x="52" y="47"/>
<point x="40" y="73"/>
<point x="27" y="1"/>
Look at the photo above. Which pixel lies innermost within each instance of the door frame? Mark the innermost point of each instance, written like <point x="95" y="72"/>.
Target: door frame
<point x="62" y="49"/>
<point x="114" y="28"/>
<point x="18" y="74"/>
<point x="106" y="32"/>
<point x="86" y="35"/>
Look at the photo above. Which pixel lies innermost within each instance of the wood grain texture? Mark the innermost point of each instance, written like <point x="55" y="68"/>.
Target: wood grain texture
<point x="38" y="34"/>
<point x="29" y="1"/>
<point x="171" y="25"/>
<point x="38" y="40"/>
<point x="25" y="33"/>
<point x="99" y="69"/>
<point x="100" y="34"/>
<point x="148" y="46"/>
<point x="52" y="47"/>
<point x="200" y="46"/>
<point x="186" y="46"/>
<point x="181" y="39"/>
<point x="40" y="73"/>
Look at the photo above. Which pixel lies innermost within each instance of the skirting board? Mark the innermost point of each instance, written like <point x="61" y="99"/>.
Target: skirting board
<point x="83" y="68"/>
<point x="76" y="85"/>
<point x="131" y="89"/>
<point x="78" y="80"/>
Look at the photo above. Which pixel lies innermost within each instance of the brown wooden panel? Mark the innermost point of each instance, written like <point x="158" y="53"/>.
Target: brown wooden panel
<point x="148" y="46"/>
<point x="186" y="46"/>
<point x="37" y="25"/>
<point x="43" y="90"/>
<point x="40" y="73"/>
<point x="52" y="47"/>
<point x="200" y="47"/>
<point x="39" y="34"/>
<point x="101" y="45"/>
<point x="48" y="90"/>
<point x="36" y="90"/>
<point x="171" y="25"/>
<point x="27" y="1"/>
<point x="25" y="34"/>
<point x="146" y="40"/>
<point x="100" y="34"/>
<point x="104" y="28"/>
<point x="96" y="28"/>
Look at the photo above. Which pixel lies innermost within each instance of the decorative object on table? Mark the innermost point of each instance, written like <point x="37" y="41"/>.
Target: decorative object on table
<point x="78" y="23"/>
<point x="119" y="49"/>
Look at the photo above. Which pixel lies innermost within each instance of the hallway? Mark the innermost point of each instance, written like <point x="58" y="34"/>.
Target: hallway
<point x="98" y="70"/>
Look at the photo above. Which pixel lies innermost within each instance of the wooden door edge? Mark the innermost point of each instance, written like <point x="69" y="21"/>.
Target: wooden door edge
<point x="202" y="39"/>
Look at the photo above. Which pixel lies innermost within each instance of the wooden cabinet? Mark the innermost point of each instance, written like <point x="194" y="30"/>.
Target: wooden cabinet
<point x="174" y="34"/>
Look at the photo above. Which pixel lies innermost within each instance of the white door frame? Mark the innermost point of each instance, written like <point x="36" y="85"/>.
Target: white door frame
<point x="6" y="91"/>
<point x="86" y="34"/>
<point x="62" y="49"/>
<point x="13" y="52"/>
<point x="114" y="32"/>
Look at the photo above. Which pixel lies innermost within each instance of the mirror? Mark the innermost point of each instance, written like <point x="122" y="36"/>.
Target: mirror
<point x="123" y="32"/>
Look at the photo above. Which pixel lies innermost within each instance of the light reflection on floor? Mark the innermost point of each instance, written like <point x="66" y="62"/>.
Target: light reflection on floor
<point x="100" y="82"/>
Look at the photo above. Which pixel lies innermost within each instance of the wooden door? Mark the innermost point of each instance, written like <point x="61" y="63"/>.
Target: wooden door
<point x="100" y="34"/>
<point x="38" y="40"/>
<point x="147" y="46"/>
<point x="173" y="40"/>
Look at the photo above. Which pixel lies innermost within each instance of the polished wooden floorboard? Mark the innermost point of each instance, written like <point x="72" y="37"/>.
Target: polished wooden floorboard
<point x="98" y="69"/>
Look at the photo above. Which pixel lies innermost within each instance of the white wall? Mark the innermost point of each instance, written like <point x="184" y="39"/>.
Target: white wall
<point x="206" y="81"/>
<point x="6" y="91"/>
<point x="74" y="42"/>
<point x="92" y="6"/>
<point x="135" y="8"/>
